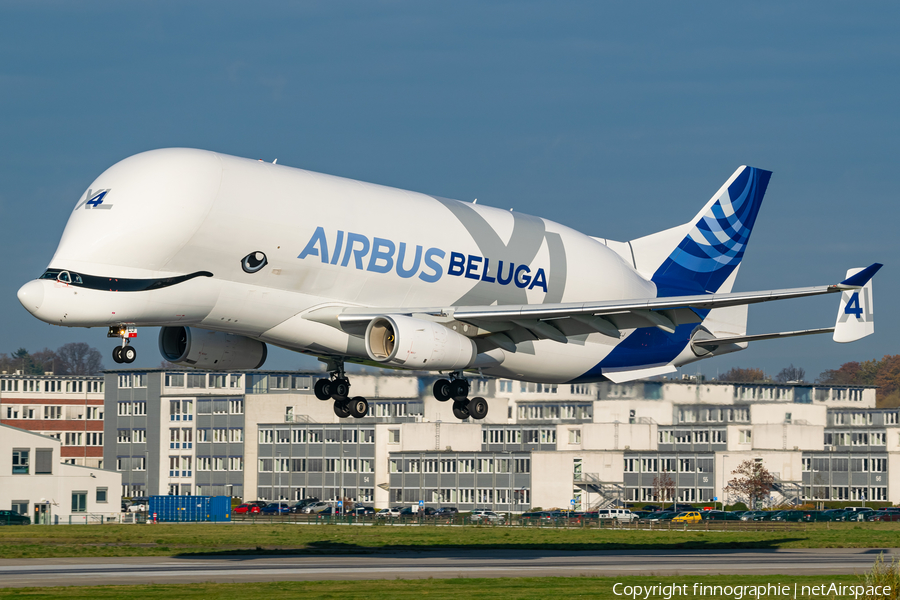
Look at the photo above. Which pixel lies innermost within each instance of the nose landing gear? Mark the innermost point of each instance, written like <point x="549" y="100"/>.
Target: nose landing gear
<point x="457" y="389"/>
<point x="337" y="387"/>
<point x="124" y="353"/>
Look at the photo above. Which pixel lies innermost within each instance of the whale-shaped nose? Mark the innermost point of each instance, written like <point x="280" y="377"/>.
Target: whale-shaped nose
<point x="31" y="295"/>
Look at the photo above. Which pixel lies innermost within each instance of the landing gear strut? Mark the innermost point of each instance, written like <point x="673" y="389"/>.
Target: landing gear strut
<point x="337" y="387"/>
<point x="457" y="389"/>
<point x="124" y="353"/>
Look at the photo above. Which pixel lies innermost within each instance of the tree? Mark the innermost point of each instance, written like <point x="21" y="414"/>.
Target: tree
<point x="753" y="482"/>
<point x="77" y="358"/>
<point x="884" y="373"/>
<point x="739" y="375"/>
<point x="663" y="487"/>
<point x="790" y="373"/>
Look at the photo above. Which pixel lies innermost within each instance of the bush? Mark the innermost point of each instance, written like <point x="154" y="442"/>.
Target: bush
<point x="883" y="574"/>
<point x="738" y="506"/>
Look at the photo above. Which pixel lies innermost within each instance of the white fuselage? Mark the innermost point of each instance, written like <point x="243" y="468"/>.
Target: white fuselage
<point x="328" y="242"/>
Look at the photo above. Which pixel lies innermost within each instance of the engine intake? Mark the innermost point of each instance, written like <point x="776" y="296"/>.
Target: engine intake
<point x="203" y="349"/>
<point x="411" y="343"/>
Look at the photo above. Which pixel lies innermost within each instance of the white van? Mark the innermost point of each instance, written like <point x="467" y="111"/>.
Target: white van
<point x="619" y="514"/>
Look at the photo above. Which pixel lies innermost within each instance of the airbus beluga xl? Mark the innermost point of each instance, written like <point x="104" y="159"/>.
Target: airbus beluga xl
<point x="227" y="254"/>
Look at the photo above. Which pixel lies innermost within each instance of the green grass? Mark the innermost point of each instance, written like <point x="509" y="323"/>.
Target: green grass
<point x="538" y="588"/>
<point x="36" y="541"/>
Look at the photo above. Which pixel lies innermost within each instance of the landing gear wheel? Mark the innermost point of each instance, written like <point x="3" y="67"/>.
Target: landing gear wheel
<point x="478" y="408"/>
<point x="442" y="390"/>
<point x="459" y="389"/>
<point x="359" y="407"/>
<point x="342" y="408"/>
<point x="128" y="354"/>
<point x="340" y="389"/>
<point x="117" y="354"/>
<point x="460" y="410"/>
<point x="323" y="389"/>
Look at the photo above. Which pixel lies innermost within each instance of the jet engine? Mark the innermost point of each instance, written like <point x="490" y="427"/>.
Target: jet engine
<point x="203" y="349"/>
<point x="417" y="344"/>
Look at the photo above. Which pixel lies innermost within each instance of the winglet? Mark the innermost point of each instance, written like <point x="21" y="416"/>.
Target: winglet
<point x="861" y="278"/>
<point x="856" y="318"/>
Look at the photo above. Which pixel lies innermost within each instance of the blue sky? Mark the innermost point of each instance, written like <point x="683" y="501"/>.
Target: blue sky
<point x="618" y="119"/>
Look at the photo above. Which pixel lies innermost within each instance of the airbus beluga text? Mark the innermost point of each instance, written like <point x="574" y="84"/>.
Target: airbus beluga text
<point x="228" y="254"/>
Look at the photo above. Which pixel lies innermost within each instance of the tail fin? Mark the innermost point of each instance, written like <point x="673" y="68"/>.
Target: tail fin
<point x="703" y="255"/>
<point x="856" y="313"/>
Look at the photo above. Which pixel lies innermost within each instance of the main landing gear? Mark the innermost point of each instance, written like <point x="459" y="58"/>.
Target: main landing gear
<point x="457" y="389"/>
<point x="337" y="387"/>
<point x="124" y="353"/>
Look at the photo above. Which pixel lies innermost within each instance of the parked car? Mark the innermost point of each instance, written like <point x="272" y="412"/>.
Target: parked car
<point x="617" y="514"/>
<point x="878" y="515"/>
<point x="246" y="509"/>
<point x="276" y="508"/>
<point x="316" y="507"/>
<point x="260" y="503"/>
<point x="855" y="515"/>
<point x="448" y="511"/>
<point x="10" y="517"/>
<point x="661" y="515"/>
<point x="486" y="516"/>
<point x="299" y="506"/>
<point x="720" y="515"/>
<point x="816" y="515"/>
<point x="751" y="515"/>
<point x="834" y="514"/>
<point x="689" y="516"/>
<point x="388" y="513"/>
<point x="641" y="514"/>
<point x="361" y="511"/>
<point x="788" y="515"/>
<point x="533" y="518"/>
<point x="651" y="508"/>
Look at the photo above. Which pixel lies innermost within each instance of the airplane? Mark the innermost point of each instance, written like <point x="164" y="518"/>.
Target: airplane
<point x="228" y="254"/>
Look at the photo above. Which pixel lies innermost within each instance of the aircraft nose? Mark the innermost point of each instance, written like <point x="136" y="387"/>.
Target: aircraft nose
<point x="31" y="295"/>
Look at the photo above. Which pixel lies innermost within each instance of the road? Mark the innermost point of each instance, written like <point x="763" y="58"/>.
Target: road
<point x="420" y="565"/>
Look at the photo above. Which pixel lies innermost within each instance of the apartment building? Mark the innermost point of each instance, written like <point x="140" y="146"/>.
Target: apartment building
<point x="63" y="407"/>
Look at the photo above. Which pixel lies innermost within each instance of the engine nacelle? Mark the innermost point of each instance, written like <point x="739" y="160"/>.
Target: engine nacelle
<point x="417" y="344"/>
<point x="203" y="349"/>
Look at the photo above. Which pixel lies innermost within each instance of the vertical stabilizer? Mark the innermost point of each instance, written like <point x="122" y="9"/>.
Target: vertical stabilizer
<point x="703" y="255"/>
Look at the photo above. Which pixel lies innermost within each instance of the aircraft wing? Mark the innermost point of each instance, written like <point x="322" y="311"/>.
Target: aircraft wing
<point x="557" y="321"/>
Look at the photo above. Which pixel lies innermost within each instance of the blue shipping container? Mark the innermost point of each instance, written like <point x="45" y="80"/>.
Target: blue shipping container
<point x="170" y="509"/>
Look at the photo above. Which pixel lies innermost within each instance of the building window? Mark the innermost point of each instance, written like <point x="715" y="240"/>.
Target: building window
<point x="666" y="436"/>
<point x="43" y="461"/>
<point x="20" y="464"/>
<point x="574" y="436"/>
<point x="266" y="436"/>
<point x="79" y="502"/>
<point x="523" y="465"/>
<point x="101" y="495"/>
<point x="745" y="436"/>
<point x="196" y="380"/>
<point x="393" y="436"/>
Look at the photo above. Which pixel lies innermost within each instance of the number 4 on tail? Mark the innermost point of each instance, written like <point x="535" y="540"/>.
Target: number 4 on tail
<point x="853" y="307"/>
<point x="861" y="309"/>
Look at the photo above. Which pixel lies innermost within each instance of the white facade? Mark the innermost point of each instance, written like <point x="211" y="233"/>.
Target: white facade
<point x="34" y="482"/>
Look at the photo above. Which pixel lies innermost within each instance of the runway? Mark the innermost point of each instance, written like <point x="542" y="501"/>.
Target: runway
<point x="421" y="565"/>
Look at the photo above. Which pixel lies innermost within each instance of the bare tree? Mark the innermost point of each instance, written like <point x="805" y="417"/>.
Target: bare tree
<point x="663" y="487"/>
<point x="739" y="375"/>
<point x="77" y="358"/>
<point x="790" y="373"/>
<point x="753" y="482"/>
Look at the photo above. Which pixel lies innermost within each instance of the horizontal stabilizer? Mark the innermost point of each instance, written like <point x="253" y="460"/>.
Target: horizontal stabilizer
<point x="855" y="318"/>
<point x="719" y="341"/>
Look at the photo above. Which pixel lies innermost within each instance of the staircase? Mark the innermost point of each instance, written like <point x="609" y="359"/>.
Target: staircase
<point x="611" y="494"/>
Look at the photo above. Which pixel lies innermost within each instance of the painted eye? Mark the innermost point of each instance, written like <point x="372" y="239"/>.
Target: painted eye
<point x="253" y="262"/>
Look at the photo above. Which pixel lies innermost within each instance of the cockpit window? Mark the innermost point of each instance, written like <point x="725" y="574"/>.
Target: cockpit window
<point x="117" y="284"/>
